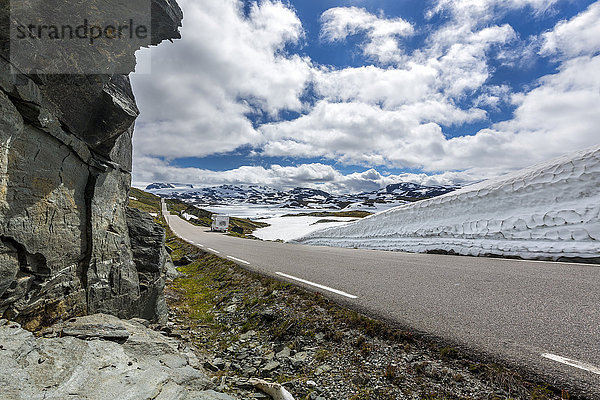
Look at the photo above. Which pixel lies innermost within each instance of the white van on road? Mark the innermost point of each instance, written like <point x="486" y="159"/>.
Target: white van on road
<point x="220" y="223"/>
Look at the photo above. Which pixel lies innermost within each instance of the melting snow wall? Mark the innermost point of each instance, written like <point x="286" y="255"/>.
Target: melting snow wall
<point x="550" y="211"/>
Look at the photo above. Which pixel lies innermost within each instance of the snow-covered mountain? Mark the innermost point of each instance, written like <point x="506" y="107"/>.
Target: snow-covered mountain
<point x="549" y="211"/>
<point x="393" y="195"/>
<point x="157" y="186"/>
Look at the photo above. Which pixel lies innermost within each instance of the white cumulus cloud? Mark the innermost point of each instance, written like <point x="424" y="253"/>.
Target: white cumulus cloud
<point x="575" y="37"/>
<point x="382" y="33"/>
<point x="324" y="177"/>
<point x="196" y="100"/>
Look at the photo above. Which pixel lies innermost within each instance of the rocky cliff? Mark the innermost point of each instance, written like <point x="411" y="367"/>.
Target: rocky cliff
<point x="66" y="247"/>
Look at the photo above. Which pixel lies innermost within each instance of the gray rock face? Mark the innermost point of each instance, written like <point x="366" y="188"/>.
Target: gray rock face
<point x="99" y="357"/>
<point x="151" y="262"/>
<point x="65" y="163"/>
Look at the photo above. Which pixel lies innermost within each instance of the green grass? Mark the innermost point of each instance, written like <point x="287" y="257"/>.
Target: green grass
<point x="199" y="290"/>
<point x="448" y="353"/>
<point x="144" y="201"/>
<point x="541" y="393"/>
<point x="176" y="206"/>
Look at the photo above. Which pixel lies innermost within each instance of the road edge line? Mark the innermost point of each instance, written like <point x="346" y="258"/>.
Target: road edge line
<point x="350" y="296"/>
<point x="238" y="260"/>
<point x="572" y="363"/>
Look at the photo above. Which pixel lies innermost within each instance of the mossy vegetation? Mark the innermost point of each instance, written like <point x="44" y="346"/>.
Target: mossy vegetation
<point x="541" y="393"/>
<point x="449" y="353"/>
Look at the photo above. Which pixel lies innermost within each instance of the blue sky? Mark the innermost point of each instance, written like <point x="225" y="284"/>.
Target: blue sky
<point x="344" y="94"/>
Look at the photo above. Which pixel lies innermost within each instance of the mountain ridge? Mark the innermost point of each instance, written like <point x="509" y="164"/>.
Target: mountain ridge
<point x="299" y="197"/>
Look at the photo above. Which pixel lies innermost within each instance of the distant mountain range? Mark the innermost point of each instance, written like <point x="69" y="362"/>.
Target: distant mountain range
<point x="392" y="195"/>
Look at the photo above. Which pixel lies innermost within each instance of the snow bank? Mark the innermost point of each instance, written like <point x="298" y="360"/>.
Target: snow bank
<point x="550" y="211"/>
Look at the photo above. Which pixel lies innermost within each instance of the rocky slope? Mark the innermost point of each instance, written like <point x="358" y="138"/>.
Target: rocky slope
<point x="99" y="357"/>
<point x="65" y="163"/>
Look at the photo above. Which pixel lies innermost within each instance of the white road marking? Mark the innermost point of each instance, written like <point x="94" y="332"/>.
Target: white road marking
<point x="239" y="260"/>
<point x="198" y="244"/>
<point x="350" y="296"/>
<point x="573" y="363"/>
<point x="213" y="250"/>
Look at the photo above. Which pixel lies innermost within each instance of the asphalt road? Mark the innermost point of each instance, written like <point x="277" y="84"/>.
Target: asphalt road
<point x="541" y="317"/>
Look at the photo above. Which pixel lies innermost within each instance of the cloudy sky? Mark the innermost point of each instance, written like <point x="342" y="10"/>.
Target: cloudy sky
<point x="353" y="95"/>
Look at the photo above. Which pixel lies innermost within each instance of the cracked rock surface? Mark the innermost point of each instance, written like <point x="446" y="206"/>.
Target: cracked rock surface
<point x="99" y="357"/>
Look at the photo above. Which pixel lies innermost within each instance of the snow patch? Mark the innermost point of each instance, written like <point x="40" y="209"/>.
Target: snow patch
<point x="187" y="216"/>
<point x="288" y="228"/>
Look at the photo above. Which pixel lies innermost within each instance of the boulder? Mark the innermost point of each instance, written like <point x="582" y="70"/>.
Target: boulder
<point x="87" y="363"/>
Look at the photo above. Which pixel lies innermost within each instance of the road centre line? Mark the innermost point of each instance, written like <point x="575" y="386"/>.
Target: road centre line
<point x="350" y="296"/>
